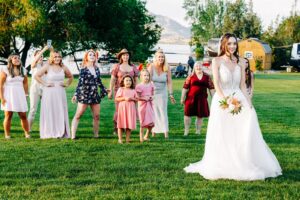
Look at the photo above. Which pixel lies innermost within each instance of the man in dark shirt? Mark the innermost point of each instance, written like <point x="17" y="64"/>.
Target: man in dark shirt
<point x="191" y="63"/>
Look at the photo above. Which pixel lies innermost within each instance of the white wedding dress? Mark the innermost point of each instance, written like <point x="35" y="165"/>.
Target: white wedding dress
<point x="234" y="147"/>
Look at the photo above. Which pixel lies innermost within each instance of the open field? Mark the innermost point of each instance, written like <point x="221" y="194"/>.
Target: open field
<point x="90" y="168"/>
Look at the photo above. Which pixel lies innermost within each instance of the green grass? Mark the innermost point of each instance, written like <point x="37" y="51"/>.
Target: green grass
<point x="102" y="169"/>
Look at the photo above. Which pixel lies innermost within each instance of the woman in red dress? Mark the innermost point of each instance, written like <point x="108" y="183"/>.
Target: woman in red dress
<point x="194" y="97"/>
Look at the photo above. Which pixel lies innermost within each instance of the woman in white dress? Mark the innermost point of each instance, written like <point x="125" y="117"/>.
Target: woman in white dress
<point x="234" y="147"/>
<point x="54" y="119"/>
<point x="162" y="80"/>
<point x="13" y="91"/>
<point x="35" y="92"/>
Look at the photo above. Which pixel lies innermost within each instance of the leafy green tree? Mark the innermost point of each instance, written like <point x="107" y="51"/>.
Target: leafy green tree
<point x="77" y="25"/>
<point x="281" y="39"/>
<point x="241" y="20"/>
<point x="207" y="19"/>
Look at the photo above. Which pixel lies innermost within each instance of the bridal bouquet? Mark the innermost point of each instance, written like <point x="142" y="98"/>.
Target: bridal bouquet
<point x="231" y="103"/>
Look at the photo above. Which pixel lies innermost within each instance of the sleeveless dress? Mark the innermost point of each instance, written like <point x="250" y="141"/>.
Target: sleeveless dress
<point x="14" y="93"/>
<point x="160" y="102"/>
<point x="54" y="119"/>
<point x="234" y="147"/>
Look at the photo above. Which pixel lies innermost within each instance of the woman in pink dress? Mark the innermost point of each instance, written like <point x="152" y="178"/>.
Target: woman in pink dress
<point x="145" y="91"/>
<point x="54" y="118"/>
<point x="124" y="67"/>
<point x="126" y="116"/>
<point x="13" y="91"/>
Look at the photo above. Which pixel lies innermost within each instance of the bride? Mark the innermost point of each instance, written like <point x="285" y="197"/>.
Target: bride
<point x="234" y="148"/>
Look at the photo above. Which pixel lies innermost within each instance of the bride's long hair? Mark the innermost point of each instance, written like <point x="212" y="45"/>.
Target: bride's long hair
<point x="223" y="50"/>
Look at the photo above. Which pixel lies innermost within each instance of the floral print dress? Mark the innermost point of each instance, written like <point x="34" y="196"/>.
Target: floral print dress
<point x="87" y="88"/>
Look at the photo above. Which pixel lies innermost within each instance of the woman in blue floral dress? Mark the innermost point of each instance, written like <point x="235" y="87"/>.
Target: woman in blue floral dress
<point x="87" y="92"/>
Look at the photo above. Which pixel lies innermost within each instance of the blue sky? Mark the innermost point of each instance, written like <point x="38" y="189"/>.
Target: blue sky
<point x="267" y="10"/>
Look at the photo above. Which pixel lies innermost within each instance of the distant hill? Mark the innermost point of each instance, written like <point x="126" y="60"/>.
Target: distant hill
<point x="173" y="32"/>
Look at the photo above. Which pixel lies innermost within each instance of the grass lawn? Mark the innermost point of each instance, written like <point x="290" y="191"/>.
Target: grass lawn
<point x="102" y="169"/>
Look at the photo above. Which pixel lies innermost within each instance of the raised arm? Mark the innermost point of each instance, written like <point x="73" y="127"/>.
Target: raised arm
<point x="2" y="81"/>
<point x="216" y="78"/>
<point x="38" y="56"/>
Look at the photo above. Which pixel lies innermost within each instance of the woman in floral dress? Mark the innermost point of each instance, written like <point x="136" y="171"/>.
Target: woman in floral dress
<point x="87" y="92"/>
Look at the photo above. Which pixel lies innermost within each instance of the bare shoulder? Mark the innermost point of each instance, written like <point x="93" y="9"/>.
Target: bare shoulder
<point x="242" y="62"/>
<point x="216" y="61"/>
<point x="65" y="68"/>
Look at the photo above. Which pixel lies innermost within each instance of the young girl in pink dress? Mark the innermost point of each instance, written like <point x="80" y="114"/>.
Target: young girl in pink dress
<point x="145" y="91"/>
<point x="126" y="117"/>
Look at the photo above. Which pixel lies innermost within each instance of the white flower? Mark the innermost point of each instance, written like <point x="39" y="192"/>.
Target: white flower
<point x="231" y="107"/>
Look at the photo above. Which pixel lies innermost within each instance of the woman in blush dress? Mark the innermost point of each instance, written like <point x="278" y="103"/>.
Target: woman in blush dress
<point x="162" y="80"/>
<point x="234" y="146"/>
<point x="13" y="91"/>
<point x="54" y="118"/>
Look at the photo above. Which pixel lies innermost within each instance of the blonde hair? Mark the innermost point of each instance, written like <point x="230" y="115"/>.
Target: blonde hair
<point x="51" y="58"/>
<point x="143" y="71"/>
<point x="85" y="57"/>
<point x="198" y="63"/>
<point x="165" y="64"/>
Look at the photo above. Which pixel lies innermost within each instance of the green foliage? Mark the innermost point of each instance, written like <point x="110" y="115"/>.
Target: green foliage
<point x="78" y="25"/>
<point x="216" y="17"/>
<point x="241" y="20"/>
<point x="207" y="20"/>
<point x="281" y="39"/>
<point x="258" y="64"/>
<point x="90" y="168"/>
<point x="199" y="51"/>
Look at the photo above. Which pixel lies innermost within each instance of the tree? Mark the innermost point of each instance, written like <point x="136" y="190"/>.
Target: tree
<point x="207" y="19"/>
<point x="281" y="39"/>
<point x="106" y="24"/>
<point x="17" y="19"/>
<point x="212" y="18"/>
<point x="241" y="20"/>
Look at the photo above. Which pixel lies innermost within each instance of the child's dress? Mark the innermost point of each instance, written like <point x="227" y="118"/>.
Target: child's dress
<point x="126" y="116"/>
<point x="145" y="108"/>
